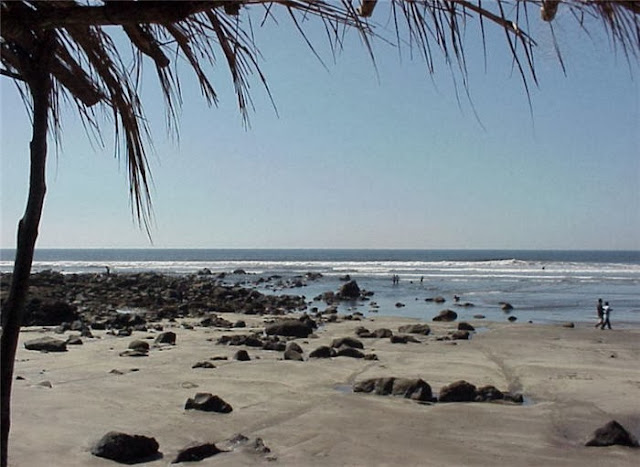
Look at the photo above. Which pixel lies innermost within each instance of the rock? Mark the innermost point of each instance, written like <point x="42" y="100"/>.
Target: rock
<point x="207" y="402"/>
<point x="349" y="352"/>
<point x="197" y="452"/>
<point x="295" y="347"/>
<point x="291" y="354"/>
<point x="239" y="271"/>
<point x="323" y="352"/>
<point x="167" y="337"/>
<point x="203" y="364"/>
<point x="479" y="316"/>
<point x="462" y="326"/>
<point x="400" y="305"/>
<point x="512" y="318"/>
<point x="126" y="449"/>
<point x="349" y="291"/>
<point x="383" y="333"/>
<point x="242" y="356"/>
<point x="348" y="342"/>
<point x="610" y="434"/>
<point x="402" y="339"/>
<point x="488" y="393"/>
<point x="48" y="313"/>
<point x="142" y="346"/>
<point x="568" y="325"/>
<point x="460" y="335"/>
<point x="288" y="327"/>
<point x="418" y="328"/>
<point x="504" y="306"/>
<point x="134" y="353"/>
<point x="240" y="324"/>
<point x="460" y="391"/>
<point x="46" y="344"/>
<point x="74" y="340"/>
<point x="415" y="389"/>
<point x="439" y="299"/>
<point x="446" y="315"/>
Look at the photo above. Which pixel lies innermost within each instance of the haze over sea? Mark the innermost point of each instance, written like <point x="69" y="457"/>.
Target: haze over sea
<point x="543" y="286"/>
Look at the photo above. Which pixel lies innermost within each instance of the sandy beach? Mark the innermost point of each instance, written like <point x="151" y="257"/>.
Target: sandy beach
<point x="573" y="380"/>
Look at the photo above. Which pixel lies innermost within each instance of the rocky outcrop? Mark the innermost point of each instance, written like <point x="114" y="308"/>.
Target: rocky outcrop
<point x="415" y="389"/>
<point x="289" y="327"/>
<point x="460" y="391"/>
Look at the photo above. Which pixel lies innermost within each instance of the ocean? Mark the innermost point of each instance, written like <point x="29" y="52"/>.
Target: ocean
<point x="542" y="286"/>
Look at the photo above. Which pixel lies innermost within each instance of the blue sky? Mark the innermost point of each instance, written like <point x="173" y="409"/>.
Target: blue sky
<point x="360" y="157"/>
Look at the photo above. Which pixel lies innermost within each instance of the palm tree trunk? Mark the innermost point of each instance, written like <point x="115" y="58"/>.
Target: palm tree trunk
<point x="40" y="87"/>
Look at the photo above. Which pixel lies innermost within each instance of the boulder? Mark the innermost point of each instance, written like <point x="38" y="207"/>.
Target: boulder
<point x="140" y="345"/>
<point x="349" y="291"/>
<point x="46" y="344"/>
<point x="167" y="337"/>
<point x="288" y="327"/>
<point x="207" y="402"/>
<point x="349" y="352"/>
<point x="196" y="452"/>
<point x="126" y="449"/>
<point x="74" y="340"/>
<point x="504" y="306"/>
<point x="446" y="315"/>
<point x="383" y="333"/>
<point x="460" y="391"/>
<point x="610" y="434"/>
<point x="460" y="335"/>
<point x="463" y="326"/>
<point x="295" y="347"/>
<point x="242" y="356"/>
<point x="418" y="328"/>
<point x="489" y="393"/>
<point x="323" y="351"/>
<point x="292" y="354"/>
<point x="347" y="342"/>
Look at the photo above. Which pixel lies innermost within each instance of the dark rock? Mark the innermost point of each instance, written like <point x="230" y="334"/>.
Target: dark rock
<point x="323" y="352"/>
<point x="167" y="337"/>
<point x="289" y="327"/>
<point x="204" y="364"/>
<point x="291" y="354"/>
<point x="400" y="305"/>
<point x="242" y="356"/>
<point x="383" y="333"/>
<point x="134" y="353"/>
<point x="504" y="306"/>
<point x="345" y="278"/>
<point x="46" y="344"/>
<point x="460" y="335"/>
<point x="439" y="299"/>
<point x="142" y="346"/>
<point x="207" y="402"/>
<point x="479" y="316"/>
<point x="240" y="324"/>
<point x="415" y="389"/>
<point x="462" y="326"/>
<point x="349" y="352"/>
<point x="512" y="318"/>
<point x="568" y="325"/>
<point x="446" y="315"/>
<point x="295" y="347"/>
<point x="460" y="391"/>
<point x="239" y="271"/>
<point x="488" y="393"/>
<point x="418" y="328"/>
<point x="195" y="453"/>
<point x="48" y="313"/>
<point x="74" y="340"/>
<point x="348" y="342"/>
<point x="610" y="434"/>
<point x="126" y="449"/>
<point x="349" y="291"/>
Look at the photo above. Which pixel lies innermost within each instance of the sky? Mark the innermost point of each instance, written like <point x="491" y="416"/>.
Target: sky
<point x="362" y="156"/>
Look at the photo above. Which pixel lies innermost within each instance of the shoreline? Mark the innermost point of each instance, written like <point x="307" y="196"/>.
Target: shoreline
<point x="574" y="381"/>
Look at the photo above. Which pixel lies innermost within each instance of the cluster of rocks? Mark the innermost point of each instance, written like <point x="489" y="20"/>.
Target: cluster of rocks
<point x="419" y="390"/>
<point x="133" y="449"/>
<point x="349" y="291"/>
<point x="94" y="299"/>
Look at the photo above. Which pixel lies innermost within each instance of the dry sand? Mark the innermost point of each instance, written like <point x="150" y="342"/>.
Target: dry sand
<point x="574" y="381"/>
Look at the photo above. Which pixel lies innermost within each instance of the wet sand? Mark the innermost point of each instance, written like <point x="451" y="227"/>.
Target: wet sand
<point x="574" y="380"/>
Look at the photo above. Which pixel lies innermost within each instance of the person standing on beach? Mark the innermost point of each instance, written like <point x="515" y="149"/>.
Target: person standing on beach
<point x="606" y="315"/>
<point x="600" y="311"/>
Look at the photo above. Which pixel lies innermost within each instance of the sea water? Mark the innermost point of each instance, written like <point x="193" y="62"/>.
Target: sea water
<point x="542" y="286"/>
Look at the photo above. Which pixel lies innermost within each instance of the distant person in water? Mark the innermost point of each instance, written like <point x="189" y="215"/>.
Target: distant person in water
<point x="606" y="315"/>
<point x="600" y="312"/>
